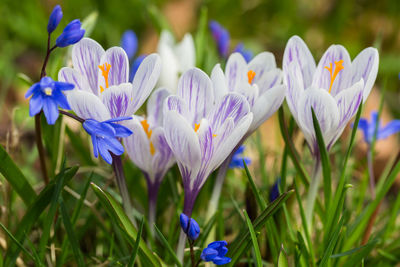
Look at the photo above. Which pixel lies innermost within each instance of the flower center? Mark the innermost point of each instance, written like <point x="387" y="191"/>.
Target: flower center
<point x="48" y="91"/>
<point x="334" y="71"/>
<point x="250" y="76"/>
<point x="105" y="69"/>
<point x="197" y="126"/>
<point x="146" y="128"/>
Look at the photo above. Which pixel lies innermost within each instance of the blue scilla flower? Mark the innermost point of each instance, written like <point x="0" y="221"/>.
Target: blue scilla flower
<point x="71" y="34"/>
<point x="237" y="159"/>
<point x="189" y="226"/>
<point x="221" y="37"/>
<point x="105" y="136"/>
<point x="54" y="19"/>
<point x="47" y="95"/>
<point x="215" y="252"/>
<point x="368" y="128"/>
<point x="247" y="54"/>
<point x="129" y="43"/>
<point x="135" y="66"/>
<point x="274" y="193"/>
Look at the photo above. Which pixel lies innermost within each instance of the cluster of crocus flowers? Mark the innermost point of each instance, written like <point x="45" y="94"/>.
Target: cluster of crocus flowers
<point x="334" y="89"/>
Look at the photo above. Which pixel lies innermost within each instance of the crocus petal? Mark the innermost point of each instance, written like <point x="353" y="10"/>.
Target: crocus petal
<point x="182" y="140"/>
<point x="86" y="55"/>
<point x="119" y="71"/>
<point x="117" y="99"/>
<point x="295" y="89"/>
<point x="266" y="105"/>
<point x="297" y="51"/>
<point x="322" y="76"/>
<point x="87" y="106"/>
<point x="195" y="88"/>
<point x="185" y="52"/>
<point x="71" y="75"/>
<point x="348" y="101"/>
<point x="174" y="102"/>
<point x="35" y="104"/>
<point x="50" y="110"/>
<point x="170" y="65"/>
<point x="219" y="82"/>
<point x="145" y="79"/>
<point x="163" y="158"/>
<point x="261" y="64"/>
<point x="269" y="80"/>
<point x="235" y="71"/>
<point x="250" y="91"/>
<point x="365" y="66"/>
<point x="155" y="106"/>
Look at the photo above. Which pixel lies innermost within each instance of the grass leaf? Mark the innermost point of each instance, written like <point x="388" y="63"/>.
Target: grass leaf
<point x="165" y="243"/>
<point x="136" y="246"/>
<point x="253" y="239"/>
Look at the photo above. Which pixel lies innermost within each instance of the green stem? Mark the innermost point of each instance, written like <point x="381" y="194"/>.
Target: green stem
<point x="313" y="192"/>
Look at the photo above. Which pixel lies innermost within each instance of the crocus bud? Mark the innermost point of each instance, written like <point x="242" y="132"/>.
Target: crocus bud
<point x="54" y="19"/>
<point x="190" y="227"/>
<point x="71" y="34"/>
<point x="129" y="43"/>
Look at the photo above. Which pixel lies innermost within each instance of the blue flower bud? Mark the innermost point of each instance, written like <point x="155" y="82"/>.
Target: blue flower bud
<point x="215" y="252"/>
<point x="54" y="19"/>
<point x="274" y="193"/>
<point x="71" y="34"/>
<point x="129" y="43"/>
<point x="190" y="227"/>
<point x="221" y="37"/>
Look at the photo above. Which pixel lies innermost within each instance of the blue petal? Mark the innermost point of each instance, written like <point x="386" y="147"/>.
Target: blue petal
<point x="54" y="19"/>
<point x="217" y="244"/>
<point x="129" y="42"/>
<point x="32" y="90"/>
<point x="184" y="221"/>
<point x="61" y="99"/>
<point x="99" y="128"/>
<point x="135" y="66"/>
<point x="208" y="254"/>
<point x="114" y="146"/>
<point x="46" y="82"/>
<point x="194" y="230"/>
<point x="221" y="260"/>
<point x="35" y="104"/>
<point x="363" y="125"/>
<point x="62" y="86"/>
<point x="390" y="128"/>
<point x="120" y="130"/>
<point x="95" y="146"/>
<point x="104" y="151"/>
<point x="118" y="119"/>
<point x="50" y="110"/>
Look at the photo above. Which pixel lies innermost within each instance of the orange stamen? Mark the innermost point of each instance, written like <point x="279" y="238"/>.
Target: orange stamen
<point x="250" y="76"/>
<point x="105" y="69"/>
<point x="334" y="72"/>
<point x="148" y="132"/>
<point x="196" y="127"/>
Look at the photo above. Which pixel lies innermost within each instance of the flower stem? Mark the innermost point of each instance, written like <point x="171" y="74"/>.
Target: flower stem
<point x="181" y="246"/>
<point x="79" y="119"/>
<point x="371" y="172"/>
<point x="40" y="147"/>
<point x="192" y="253"/>
<point x="312" y="192"/>
<point x="123" y="189"/>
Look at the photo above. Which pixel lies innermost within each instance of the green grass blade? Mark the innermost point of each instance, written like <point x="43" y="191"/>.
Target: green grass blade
<point x="16" y="178"/>
<point x="357" y="255"/>
<point x="253" y="239"/>
<point x="71" y="235"/>
<point x="165" y="243"/>
<point x="200" y="38"/>
<point x="282" y="260"/>
<point x="326" y="166"/>
<point x="332" y="243"/>
<point x="260" y="200"/>
<point x="17" y="242"/>
<point x="136" y="246"/>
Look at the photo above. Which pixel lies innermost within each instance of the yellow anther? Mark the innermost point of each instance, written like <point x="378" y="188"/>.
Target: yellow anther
<point x="48" y="91"/>
<point x="334" y="72"/>
<point x="105" y="69"/>
<point x="146" y="128"/>
<point x="196" y="127"/>
<point x="250" y="76"/>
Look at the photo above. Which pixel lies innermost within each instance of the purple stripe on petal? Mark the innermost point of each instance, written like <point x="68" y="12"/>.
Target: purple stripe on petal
<point x="117" y="98"/>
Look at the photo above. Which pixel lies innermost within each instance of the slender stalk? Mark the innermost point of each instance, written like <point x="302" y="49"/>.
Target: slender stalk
<point x="181" y="246"/>
<point x="123" y="189"/>
<point x="312" y="192"/>
<point x="40" y="147"/>
<point x="371" y="172"/>
<point x="192" y="253"/>
<point x="152" y="189"/>
<point x="79" y="119"/>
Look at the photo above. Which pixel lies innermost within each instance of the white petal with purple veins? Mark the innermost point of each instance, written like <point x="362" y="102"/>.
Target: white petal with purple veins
<point x="86" y="55"/>
<point x="219" y="82"/>
<point x="261" y="64"/>
<point x="294" y="85"/>
<point x="117" y="99"/>
<point x="119" y="70"/>
<point x="71" y="75"/>
<point x="87" y="106"/>
<point x="235" y="71"/>
<point x="163" y="158"/>
<point x="269" y="80"/>
<point x="174" y="102"/>
<point x="155" y="106"/>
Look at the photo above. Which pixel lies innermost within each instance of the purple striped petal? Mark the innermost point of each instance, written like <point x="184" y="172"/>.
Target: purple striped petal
<point x="365" y="66"/>
<point x="174" y="102"/>
<point x="261" y="64"/>
<point x="219" y="82"/>
<point x="119" y="70"/>
<point x="87" y="105"/>
<point x="117" y="99"/>
<point x="71" y="75"/>
<point x="163" y="158"/>
<point x="348" y="101"/>
<point x="155" y="106"/>
<point x="269" y="80"/>
<point x="86" y="55"/>
<point x="322" y="76"/>
<point x="235" y="71"/>
<point x="297" y="51"/>
<point x="294" y="84"/>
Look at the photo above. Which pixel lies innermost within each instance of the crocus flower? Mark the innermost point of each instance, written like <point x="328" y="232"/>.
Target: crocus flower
<point x="189" y="226"/>
<point x="247" y="54"/>
<point x="368" y="128"/>
<point x="216" y="252"/>
<point x="102" y="90"/>
<point x="202" y="134"/>
<point x="71" y="34"/>
<point x="47" y="95"/>
<point x="105" y="136"/>
<point x="148" y="149"/>
<point x="221" y="38"/>
<point x="55" y="18"/>
<point x="129" y="43"/>
<point x="334" y="89"/>
<point x="259" y="81"/>
<point x="238" y="158"/>
<point x="176" y="58"/>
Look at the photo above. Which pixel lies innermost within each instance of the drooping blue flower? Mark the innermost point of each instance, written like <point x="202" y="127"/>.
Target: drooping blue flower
<point x="221" y="37"/>
<point x="247" y="54"/>
<point x="71" y="34"/>
<point x="237" y="159"/>
<point x="54" y="19"/>
<point x="129" y="43"/>
<point x="215" y="252"/>
<point x="368" y="128"/>
<point x="105" y="136"/>
<point x="189" y="226"/>
<point x="274" y="193"/>
<point x="135" y="66"/>
<point x="47" y="95"/>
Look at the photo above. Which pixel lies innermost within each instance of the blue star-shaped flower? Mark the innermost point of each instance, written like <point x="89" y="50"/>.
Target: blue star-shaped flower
<point x="105" y="136"/>
<point x="215" y="252"/>
<point x="368" y="128"/>
<point x="47" y="95"/>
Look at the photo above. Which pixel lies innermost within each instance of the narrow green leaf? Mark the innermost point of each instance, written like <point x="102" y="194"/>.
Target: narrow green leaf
<point x="282" y="260"/>
<point x="260" y="200"/>
<point x="200" y="38"/>
<point x="16" y="178"/>
<point x="115" y="211"/>
<point x="253" y="239"/>
<point x="167" y="246"/>
<point x="358" y="255"/>
<point x="17" y="242"/>
<point x="326" y="166"/>
<point x="332" y="243"/>
<point x="136" y="246"/>
<point x="71" y="235"/>
<point x="89" y="22"/>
